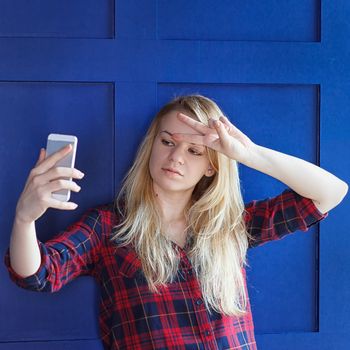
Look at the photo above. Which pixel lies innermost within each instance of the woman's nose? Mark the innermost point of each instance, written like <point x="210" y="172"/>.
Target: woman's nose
<point x="176" y="155"/>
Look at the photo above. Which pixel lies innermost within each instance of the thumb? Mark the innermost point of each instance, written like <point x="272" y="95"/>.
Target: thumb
<point x="41" y="156"/>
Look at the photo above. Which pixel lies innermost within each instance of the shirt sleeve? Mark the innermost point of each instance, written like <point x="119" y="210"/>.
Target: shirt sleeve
<point x="274" y="217"/>
<point x="71" y="253"/>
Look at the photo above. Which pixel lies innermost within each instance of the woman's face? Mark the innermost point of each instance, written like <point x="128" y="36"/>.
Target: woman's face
<point x="189" y="161"/>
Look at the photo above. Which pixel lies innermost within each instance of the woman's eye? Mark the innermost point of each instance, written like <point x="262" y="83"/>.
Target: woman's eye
<point x="193" y="151"/>
<point x="196" y="153"/>
<point x="165" y="142"/>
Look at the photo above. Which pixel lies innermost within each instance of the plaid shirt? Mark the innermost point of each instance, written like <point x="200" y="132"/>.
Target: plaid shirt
<point x="132" y="317"/>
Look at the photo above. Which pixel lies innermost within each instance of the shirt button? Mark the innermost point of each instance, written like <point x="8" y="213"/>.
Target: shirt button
<point x="207" y="332"/>
<point x="199" y="301"/>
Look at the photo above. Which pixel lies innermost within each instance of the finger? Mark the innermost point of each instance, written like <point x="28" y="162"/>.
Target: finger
<point x="60" y="184"/>
<point x="57" y="204"/>
<point x="51" y="160"/>
<point x="227" y="126"/>
<point x="190" y="138"/>
<point x="200" y="127"/>
<point x="221" y="130"/>
<point x="67" y="172"/>
<point x="211" y="123"/>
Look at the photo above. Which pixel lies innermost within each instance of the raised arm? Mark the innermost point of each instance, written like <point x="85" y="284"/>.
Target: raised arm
<point x="24" y="248"/>
<point x="69" y="254"/>
<point x="308" y="180"/>
<point x="36" y="197"/>
<point x="273" y="218"/>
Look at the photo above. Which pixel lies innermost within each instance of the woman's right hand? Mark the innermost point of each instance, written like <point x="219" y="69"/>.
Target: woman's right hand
<point x="44" y="179"/>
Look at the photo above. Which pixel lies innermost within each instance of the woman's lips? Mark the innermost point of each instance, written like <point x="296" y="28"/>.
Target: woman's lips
<point x="171" y="171"/>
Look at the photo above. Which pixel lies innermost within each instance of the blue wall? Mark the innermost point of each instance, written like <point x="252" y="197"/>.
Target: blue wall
<point x="100" y="70"/>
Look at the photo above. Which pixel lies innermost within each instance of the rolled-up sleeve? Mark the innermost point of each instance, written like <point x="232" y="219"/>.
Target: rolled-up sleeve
<point x="69" y="254"/>
<point x="274" y="217"/>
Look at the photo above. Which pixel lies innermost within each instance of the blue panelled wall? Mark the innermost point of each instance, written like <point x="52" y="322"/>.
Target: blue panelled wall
<point x="101" y="69"/>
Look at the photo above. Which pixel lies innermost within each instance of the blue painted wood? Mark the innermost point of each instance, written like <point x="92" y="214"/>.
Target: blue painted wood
<point x="232" y="20"/>
<point x="281" y="73"/>
<point x="57" y="19"/>
<point x="74" y="344"/>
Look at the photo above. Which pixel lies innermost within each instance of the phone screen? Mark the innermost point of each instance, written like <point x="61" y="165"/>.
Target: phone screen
<point x="52" y="147"/>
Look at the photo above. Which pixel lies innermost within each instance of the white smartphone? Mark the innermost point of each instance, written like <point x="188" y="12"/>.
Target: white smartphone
<point x="55" y="142"/>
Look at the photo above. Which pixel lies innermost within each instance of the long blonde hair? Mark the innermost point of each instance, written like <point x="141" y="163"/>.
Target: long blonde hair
<point x="214" y="217"/>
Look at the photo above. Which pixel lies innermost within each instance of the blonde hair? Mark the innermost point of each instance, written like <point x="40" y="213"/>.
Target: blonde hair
<point x="214" y="217"/>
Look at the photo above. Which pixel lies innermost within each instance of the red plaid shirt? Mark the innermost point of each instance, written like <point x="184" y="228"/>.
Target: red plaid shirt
<point x="130" y="316"/>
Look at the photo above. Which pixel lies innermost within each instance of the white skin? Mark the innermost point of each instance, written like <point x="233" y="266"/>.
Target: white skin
<point x="172" y="190"/>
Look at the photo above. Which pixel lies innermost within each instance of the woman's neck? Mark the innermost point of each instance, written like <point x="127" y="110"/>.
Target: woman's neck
<point x="172" y="212"/>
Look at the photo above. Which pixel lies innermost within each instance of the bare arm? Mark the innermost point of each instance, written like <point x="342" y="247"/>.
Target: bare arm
<point x="24" y="250"/>
<point x="36" y="197"/>
<point x="309" y="180"/>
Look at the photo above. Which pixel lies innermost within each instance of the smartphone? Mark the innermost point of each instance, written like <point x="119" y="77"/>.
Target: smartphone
<point x="55" y="142"/>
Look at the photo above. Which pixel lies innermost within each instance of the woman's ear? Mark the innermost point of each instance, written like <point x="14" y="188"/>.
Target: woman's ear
<point x="210" y="172"/>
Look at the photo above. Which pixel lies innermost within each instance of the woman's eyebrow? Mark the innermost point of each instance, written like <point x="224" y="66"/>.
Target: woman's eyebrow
<point x="172" y="135"/>
<point x="167" y="132"/>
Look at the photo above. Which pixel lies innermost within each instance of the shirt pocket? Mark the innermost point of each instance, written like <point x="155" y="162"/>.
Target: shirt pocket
<point x="129" y="265"/>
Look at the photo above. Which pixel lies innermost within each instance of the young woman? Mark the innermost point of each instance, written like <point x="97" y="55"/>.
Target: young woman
<point x="170" y="252"/>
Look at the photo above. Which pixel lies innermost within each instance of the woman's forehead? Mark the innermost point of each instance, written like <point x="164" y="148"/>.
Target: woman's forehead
<point x="172" y="124"/>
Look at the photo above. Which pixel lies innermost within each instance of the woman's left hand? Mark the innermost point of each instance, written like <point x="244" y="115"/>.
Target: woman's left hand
<point x="221" y="136"/>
